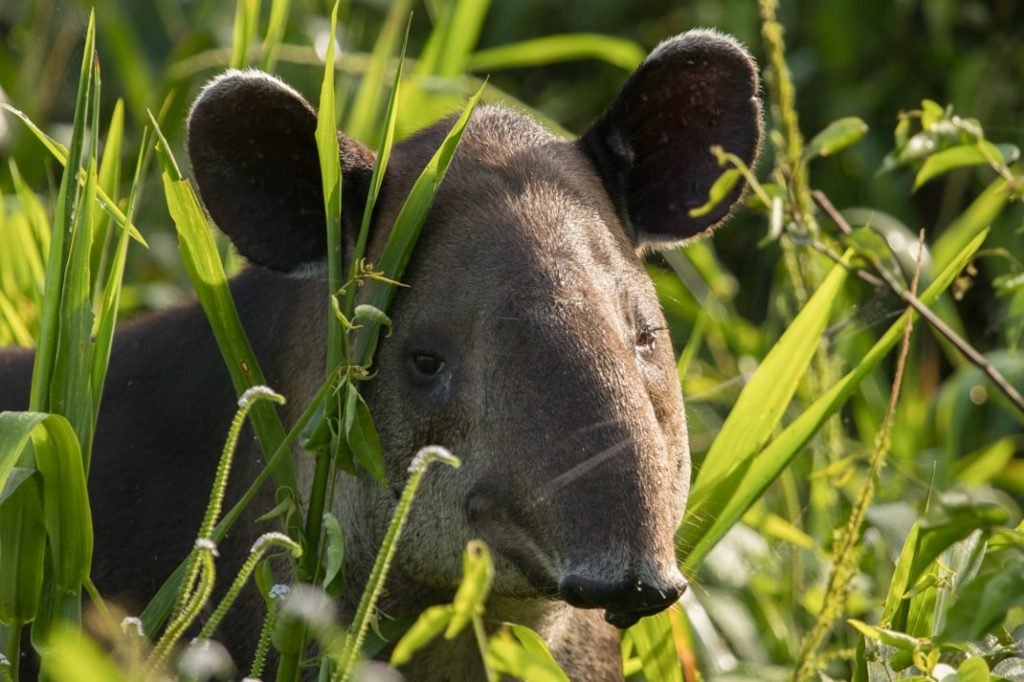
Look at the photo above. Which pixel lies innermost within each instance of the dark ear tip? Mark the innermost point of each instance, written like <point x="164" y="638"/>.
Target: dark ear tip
<point x="707" y="46"/>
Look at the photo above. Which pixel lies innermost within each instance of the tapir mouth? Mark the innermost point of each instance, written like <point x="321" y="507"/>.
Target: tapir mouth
<point x="624" y="602"/>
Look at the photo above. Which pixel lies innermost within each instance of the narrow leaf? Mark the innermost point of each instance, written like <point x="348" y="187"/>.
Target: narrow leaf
<point x="624" y="54"/>
<point x="426" y="628"/>
<point x="837" y="135"/>
<point x="720" y="504"/>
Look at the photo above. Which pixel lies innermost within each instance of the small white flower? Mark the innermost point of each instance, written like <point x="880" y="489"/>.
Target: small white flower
<point x="430" y="453"/>
<point x="132" y="626"/>
<point x="207" y="544"/>
<point x="4" y="661"/>
<point x="256" y="391"/>
<point x="257" y="546"/>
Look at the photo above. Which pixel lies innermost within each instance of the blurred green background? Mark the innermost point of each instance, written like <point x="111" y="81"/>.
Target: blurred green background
<point x="866" y="58"/>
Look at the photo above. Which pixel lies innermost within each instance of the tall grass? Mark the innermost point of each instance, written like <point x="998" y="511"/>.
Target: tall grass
<point x="935" y="539"/>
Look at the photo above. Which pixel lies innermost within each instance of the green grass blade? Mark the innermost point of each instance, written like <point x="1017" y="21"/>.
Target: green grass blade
<point x="275" y="33"/>
<point x="764" y="399"/>
<point x="387" y="141"/>
<point x="624" y="54"/>
<point x="459" y="35"/>
<point x="247" y="18"/>
<point x="109" y="182"/>
<point x="63" y="217"/>
<point x="206" y="272"/>
<point x="329" y="152"/>
<point x="406" y="230"/>
<point x="977" y="217"/>
<point x="713" y="510"/>
<point x="364" y="113"/>
<point x="70" y="388"/>
<point x="60" y="153"/>
<point x="107" y="318"/>
<point x="655" y="646"/>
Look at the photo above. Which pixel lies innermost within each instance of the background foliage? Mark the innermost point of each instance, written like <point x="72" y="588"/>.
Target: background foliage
<point x="957" y="446"/>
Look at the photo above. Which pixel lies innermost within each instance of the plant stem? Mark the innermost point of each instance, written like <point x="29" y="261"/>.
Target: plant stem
<point x="354" y="641"/>
<point x="846" y="552"/>
<point x="882" y="278"/>
<point x="12" y="650"/>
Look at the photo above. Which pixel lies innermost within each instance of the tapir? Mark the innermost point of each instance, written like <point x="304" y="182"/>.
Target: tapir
<point x="529" y="342"/>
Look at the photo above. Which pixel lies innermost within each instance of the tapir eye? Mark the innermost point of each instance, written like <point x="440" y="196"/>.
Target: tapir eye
<point x="645" y="339"/>
<point x="427" y="365"/>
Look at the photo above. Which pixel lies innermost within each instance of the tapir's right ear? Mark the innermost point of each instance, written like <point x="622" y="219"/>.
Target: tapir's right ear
<point x="251" y="139"/>
<point x="652" y="147"/>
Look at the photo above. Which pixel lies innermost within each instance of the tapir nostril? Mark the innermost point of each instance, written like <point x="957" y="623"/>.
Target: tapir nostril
<point x="626" y="597"/>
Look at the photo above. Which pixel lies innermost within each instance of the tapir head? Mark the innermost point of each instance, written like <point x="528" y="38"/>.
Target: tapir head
<point x="530" y="342"/>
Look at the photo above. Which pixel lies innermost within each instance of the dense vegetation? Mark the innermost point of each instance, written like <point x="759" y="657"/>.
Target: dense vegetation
<point x="856" y="511"/>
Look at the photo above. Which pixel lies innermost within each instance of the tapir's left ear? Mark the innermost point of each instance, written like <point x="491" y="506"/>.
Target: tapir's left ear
<point x="651" y="147"/>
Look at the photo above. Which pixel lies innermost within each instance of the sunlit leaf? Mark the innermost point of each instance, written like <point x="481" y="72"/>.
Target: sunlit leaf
<point x="838" y="135"/>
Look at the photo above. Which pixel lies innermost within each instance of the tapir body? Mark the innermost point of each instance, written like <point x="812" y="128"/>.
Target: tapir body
<point x="530" y="343"/>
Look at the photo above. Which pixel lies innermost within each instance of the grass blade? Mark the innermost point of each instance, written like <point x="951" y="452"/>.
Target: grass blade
<point x="406" y="230"/>
<point x="365" y="110"/>
<point x="206" y="272"/>
<point x="624" y="54"/>
<point x="279" y="11"/>
<point x="712" y="511"/>
<point x="764" y="399"/>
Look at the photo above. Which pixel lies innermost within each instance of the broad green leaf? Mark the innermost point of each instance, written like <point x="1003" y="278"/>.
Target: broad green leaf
<point x="945" y="523"/>
<point x="974" y="669"/>
<point x="837" y="135"/>
<point x="722" y="186"/>
<point x="15" y="477"/>
<point x="984" y="601"/>
<point x="22" y="548"/>
<point x="477" y="576"/>
<point x="426" y="628"/>
<point x="625" y="54"/>
<point x="891" y="638"/>
<point x="66" y="512"/>
<point x="713" y="509"/>
<point x="979" y="153"/>
<point x="655" y="645"/>
<point x="361" y="435"/>
<point x="508" y="655"/>
<point x="334" y="572"/>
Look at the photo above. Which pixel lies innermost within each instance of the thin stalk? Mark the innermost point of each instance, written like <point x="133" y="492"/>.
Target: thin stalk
<point x="481" y="642"/>
<point x="882" y="278"/>
<point x="846" y="550"/>
<point x="260" y="548"/>
<point x="354" y="641"/>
